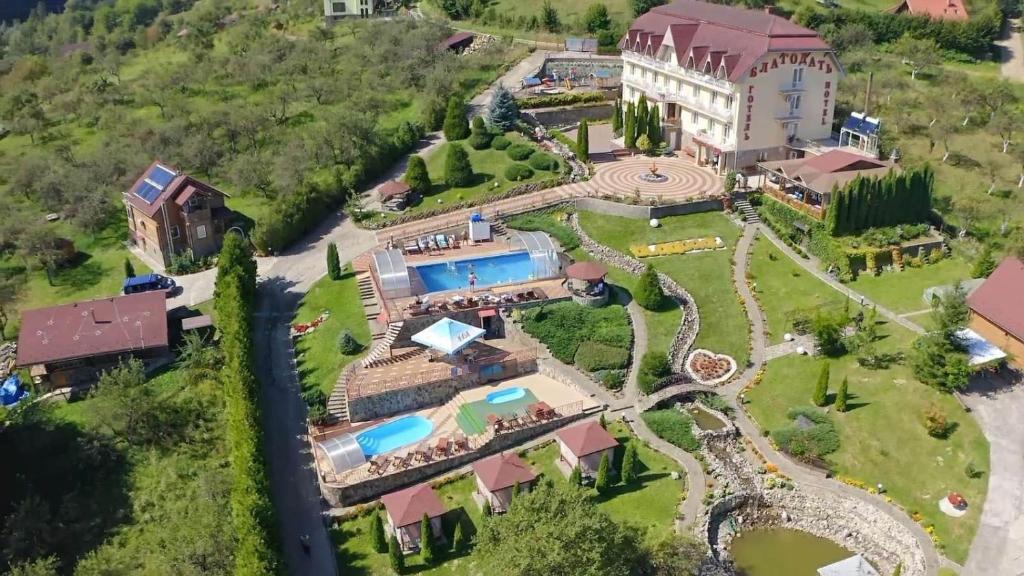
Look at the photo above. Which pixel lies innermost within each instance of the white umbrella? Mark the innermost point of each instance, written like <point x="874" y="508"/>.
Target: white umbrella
<point x="448" y="336"/>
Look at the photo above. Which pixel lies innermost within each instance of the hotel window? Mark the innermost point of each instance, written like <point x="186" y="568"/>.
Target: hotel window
<point x="709" y="125"/>
<point x="714" y="98"/>
<point x="726" y="131"/>
<point x="728" y="102"/>
<point x="679" y="86"/>
<point x="694" y="118"/>
<point x="798" y="76"/>
<point x="175" y="231"/>
<point x="696" y="91"/>
<point x="794" y="103"/>
<point x="201" y="231"/>
<point x="338" y="7"/>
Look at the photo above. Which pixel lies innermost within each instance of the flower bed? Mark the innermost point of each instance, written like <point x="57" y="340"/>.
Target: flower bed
<point x="706" y="367"/>
<point x="678" y="247"/>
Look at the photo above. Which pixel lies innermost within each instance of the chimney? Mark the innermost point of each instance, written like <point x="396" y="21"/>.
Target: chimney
<point x="769" y="10"/>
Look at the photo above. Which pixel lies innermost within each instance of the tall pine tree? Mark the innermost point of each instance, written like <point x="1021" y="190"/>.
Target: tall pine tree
<point x="617" y="118"/>
<point x="504" y="112"/>
<point x="629" y="132"/>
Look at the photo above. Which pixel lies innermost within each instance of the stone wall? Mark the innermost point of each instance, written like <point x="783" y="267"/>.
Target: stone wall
<point x="384" y="404"/>
<point x="712" y="205"/>
<point x="350" y="494"/>
<point x="690" y="324"/>
<point x="572" y="115"/>
<point x="640" y="212"/>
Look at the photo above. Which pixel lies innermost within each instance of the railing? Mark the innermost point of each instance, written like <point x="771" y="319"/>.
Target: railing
<point x="692" y="102"/>
<point x="699" y="77"/>
<point x="809" y="209"/>
<point x="440" y="374"/>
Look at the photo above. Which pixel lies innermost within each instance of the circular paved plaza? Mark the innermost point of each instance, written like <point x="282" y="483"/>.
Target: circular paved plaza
<point x="684" y="180"/>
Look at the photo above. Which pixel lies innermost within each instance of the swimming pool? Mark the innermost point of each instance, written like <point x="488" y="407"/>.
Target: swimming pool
<point x="506" y="268"/>
<point x="395" y="434"/>
<point x="508" y="395"/>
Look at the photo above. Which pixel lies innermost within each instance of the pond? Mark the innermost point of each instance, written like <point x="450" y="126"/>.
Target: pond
<point x="705" y="420"/>
<point x="775" y="551"/>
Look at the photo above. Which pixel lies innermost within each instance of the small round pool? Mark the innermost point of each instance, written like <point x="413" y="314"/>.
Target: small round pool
<point x="394" y="434"/>
<point x="507" y="395"/>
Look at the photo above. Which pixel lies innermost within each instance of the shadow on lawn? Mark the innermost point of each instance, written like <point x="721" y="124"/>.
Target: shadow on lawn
<point x="78" y="274"/>
<point x="349" y="560"/>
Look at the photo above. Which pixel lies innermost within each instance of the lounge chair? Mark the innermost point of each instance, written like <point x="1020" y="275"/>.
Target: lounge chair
<point x="442" y="240"/>
<point x="442" y="447"/>
<point x="454" y="241"/>
<point x="411" y="247"/>
<point x="461" y="444"/>
<point x="422" y="243"/>
<point x="531" y="295"/>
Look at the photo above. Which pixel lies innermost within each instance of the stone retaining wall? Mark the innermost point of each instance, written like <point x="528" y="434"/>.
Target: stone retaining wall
<point x="572" y="115"/>
<point x="640" y="212"/>
<point x="690" y="324"/>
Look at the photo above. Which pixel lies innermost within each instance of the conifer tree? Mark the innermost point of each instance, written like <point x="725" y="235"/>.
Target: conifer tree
<point x="516" y="489"/>
<point x="629" y="132"/>
<point x="333" y="263"/>
<point x="821" y="389"/>
<point x="648" y="292"/>
<point x="641" y="116"/>
<point x="603" y="481"/>
<point x="380" y="542"/>
<point x="457" y="170"/>
<point x="459" y="540"/>
<point x="427" y="552"/>
<point x="617" y="118"/>
<point x="503" y="112"/>
<point x="129" y="268"/>
<point x="486" y="511"/>
<point x="984" y="265"/>
<point x="456" y="126"/>
<point x="629" y="464"/>
<point x="395" y="555"/>
<point x="576" y="477"/>
<point x="654" y="126"/>
<point x="583" y="142"/>
<point x="841" y="396"/>
<point x="602" y="421"/>
<point x="416" y="175"/>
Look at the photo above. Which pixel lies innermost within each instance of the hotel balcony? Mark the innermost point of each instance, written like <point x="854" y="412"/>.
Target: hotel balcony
<point x="693" y="76"/>
<point x="791" y="88"/>
<point x="662" y="93"/>
<point x="789" y="116"/>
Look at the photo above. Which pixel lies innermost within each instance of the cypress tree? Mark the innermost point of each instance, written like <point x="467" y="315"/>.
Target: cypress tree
<point x="602" y="421"/>
<point x="380" y="542"/>
<point x="459" y="540"/>
<point x="654" y="126"/>
<point x="641" y="116"/>
<point x="820" y="397"/>
<point x="583" y="142"/>
<point x="395" y="555"/>
<point x="629" y="132"/>
<point x="487" y="508"/>
<point x="333" y="263"/>
<point x="603" y="481"/>
<point x="841" y="396"/>
<point x="617" y="118"/>
<point x="427" y="541"/>
<point x="457" y="170"/>
<point x="576" y="477"/>
<point x="516" y="489"/>
<point x="129" y="268"/>
<point x="416" y="175"/>
<point x="629" y="464"/>
<point x="456" y="126"/>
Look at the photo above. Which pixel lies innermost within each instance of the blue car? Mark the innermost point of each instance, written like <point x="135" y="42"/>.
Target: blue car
<point x="149" y="283"/>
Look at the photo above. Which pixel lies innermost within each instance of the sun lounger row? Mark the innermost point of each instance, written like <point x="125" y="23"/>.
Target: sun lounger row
<point x="431" y="243"/>
<point x="445" y="447"/>
<point x="515" y="421"/>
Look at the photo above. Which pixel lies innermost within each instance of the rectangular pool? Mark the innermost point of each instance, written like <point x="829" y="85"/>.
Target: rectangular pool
<point x="507" y="268"/>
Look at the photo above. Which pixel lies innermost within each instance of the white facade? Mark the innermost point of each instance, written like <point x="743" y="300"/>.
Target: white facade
<point x="338" y="9"/>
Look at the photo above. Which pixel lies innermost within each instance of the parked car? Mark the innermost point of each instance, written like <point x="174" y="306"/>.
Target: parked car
<point x="148" y="283"/>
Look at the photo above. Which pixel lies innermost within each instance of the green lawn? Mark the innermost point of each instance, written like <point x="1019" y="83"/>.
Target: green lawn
<point x="319" y="359"/>
<point x="883" y="438"/>
<point x="488" y="167"/>
<point x="706" y="275"/>
<point x="904" y="291"/>
<point x="784" y="289"/>
<point x="650" y="506"/>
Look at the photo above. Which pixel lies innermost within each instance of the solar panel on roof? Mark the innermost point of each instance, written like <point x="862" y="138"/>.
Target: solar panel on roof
<point x="161" y="176"/>
<point x="148" y="191"/>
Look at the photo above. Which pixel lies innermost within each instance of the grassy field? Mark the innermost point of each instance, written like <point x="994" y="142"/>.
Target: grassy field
<point x="488" y="167"/>
<point x="904" y="291"/>
<point x="706" y="275"/>
<point x="650" y="506"/>
<point x="319" y="359"/>
<point x="883" y="437"/>
<point x="784" y="288"/>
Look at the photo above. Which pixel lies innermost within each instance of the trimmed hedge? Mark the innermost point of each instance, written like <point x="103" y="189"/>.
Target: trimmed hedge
<point x="542" y="161"/>
<point x="520" y="152"/>
<point x="480" y="140"/>
<point x="594" y="356"/>
<point x="516" y="172"/>
<point x="560" y="100"/>
<point x="500" y="143"/>
<point x="654" y="368"/>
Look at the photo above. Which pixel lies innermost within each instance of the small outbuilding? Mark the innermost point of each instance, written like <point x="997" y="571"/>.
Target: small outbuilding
<point x="584" y="444"/>
<point x="457" y="42"/>
<point x="497" y="475"/>
<point x="996" y="312"/>
<point x="396" y="195"/>
<point x="405" y="509"/>
<point x="586" y="282"/>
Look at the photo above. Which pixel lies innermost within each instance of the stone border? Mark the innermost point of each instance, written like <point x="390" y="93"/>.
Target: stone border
<point x="689" y="326"/>
<point x="716" y="381"/>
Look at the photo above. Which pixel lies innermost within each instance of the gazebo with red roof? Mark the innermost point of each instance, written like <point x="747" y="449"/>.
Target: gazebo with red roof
<point x="996" y="312"/>
<point x="497" y="475"/>
<point x="405" y="510"/>
<point x="397" y="195"/>
<point x="586" y="282"/>
<point x="584" y="444"/>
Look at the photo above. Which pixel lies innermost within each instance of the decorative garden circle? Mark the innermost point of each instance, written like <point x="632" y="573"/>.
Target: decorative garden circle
<point x="709" y="368"/>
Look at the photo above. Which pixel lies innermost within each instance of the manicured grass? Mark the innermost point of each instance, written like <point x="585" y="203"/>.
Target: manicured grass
<point x="565" y="326"/>
<point x="904" y="291"/>
<point x="883" y="439"/>
<point x="319" y="359"/>
<point x="706" y="275"/>
<point x="785" y="290"/>
<point x="649" y="505"/>
<point x="488" y="167"/>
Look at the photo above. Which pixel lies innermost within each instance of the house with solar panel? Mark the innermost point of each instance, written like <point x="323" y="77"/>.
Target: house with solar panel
<point x="860" y="132"/>
<point x="170" y="212"/>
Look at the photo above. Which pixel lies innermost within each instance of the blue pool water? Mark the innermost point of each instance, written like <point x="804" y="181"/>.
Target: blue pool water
<point x="505" y="268"/>
<point x="395" y="434"/>
<point x="508" y="395"/>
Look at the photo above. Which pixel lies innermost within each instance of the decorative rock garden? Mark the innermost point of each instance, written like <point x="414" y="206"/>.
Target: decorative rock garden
<point x="708" y="368"/>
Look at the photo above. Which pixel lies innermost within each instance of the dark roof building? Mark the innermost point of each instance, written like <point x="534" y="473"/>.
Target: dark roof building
<point x="586" y="438"/>
<point x="503" y="471"/>
<point x="999" y="298"/>
<point x="936" y="9"/>
<point x="408" y="506"/>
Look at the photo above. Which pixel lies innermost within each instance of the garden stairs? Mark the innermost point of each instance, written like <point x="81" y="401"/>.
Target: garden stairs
<point x="748" y="212"/>
<point x="337" y="404"/>
<point x="383" y="345"/>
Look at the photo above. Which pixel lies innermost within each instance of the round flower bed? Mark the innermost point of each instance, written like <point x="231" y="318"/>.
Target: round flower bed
<point x="709" y="368"/>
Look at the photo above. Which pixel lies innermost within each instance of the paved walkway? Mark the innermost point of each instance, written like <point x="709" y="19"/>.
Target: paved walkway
<point x="1011" y="53"/>
<point x="684" y="180"/>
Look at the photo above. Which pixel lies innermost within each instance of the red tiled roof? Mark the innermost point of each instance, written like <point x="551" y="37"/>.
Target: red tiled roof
<point x="716" y="35"/>
<point x="93" y="328"/>
<point x="408" y="506"/>
<point x="842" y="161"/>
<point x="392" y="188"/>
<point x="181" y="183"/>
<point x="938" y="9"/>
<point x="998" y="299"/>
<point x="586" y="438"/>
<point x="590" y="271"/>
<point x="503" y="470"/>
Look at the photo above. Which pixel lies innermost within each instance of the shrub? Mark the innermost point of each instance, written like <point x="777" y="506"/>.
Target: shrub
<point x="674" y="427"/>
<point x="520" y="152"/>
<point x="937" y="424"/>
<point x="984" y="265"/>
<point x="566" y="325"/>
<point x="347" y="343"/>
<point x="500" y="143"/>
<point x="542" y="161"/>
<point x="560" y="100"/>
<point x="517" y="172"/>
<point x="613" y="379"/>
<point x="457" y="170"/>
<point x="480" y="140"/>
<point x="594" y="356"/>
<point x="808" y="443"/>
<point x="459" y="540"/>
<point x="545" y="222"/>
<point x="828" y="333"/>
<point x="653" y="367"/>
<point x="129" y="269"/>
<point x="648" y="292"/>
<point x="643" y="143"/>
<point x="576" y="476"/>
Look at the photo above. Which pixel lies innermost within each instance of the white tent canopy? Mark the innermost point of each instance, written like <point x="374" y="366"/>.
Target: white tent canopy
<point x="448" y="336"/>
<point x="852" y="566"/>
<point x="393" y="273"/>
<point x="981" y="351"/>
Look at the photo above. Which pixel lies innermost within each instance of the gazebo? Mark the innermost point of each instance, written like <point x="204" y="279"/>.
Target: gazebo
<point x="586" y="282"/>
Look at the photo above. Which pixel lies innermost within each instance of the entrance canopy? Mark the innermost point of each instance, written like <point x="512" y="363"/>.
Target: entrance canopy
<point x="979" y="350"/>
<point x="448" y="336"/>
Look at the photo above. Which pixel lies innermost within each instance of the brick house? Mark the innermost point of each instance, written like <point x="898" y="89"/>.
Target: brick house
<point x="404" y="512"/>
<point x="170" y="212"/>
<point x="496" y="477"/>
<point x="584" y="444"/>
<point x="996" y="312"/>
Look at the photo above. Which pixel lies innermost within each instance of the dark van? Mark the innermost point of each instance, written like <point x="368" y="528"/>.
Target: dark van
<point x="148" y="283"/>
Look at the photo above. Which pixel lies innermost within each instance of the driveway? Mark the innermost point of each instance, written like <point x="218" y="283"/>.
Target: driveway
<point x="997" y="403"/>
<point x="1011" y="52"/>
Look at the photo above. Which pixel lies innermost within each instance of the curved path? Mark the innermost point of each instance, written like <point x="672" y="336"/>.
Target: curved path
<point x="684" y="180"/>
<point x="804" y="475"/>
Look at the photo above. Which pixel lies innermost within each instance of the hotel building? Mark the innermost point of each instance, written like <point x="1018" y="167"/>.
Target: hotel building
<point x="733" y="86"/>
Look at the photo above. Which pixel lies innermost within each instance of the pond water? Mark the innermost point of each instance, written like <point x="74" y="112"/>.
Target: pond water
<point x="777" y="551"/>
<point x="705" y="420"/>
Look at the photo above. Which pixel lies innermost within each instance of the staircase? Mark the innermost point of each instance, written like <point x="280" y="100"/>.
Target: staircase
<point x="748" y="211"/>
<point x="368" y="297"/>
<point x="337" y="404"/>
<point x="383" y="345"/>
<point x="498" y="229"/>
